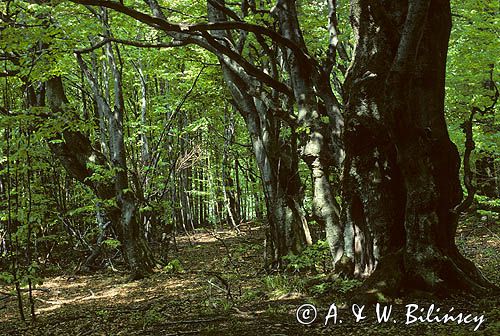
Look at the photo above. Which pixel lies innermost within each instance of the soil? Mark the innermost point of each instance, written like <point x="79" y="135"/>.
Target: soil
<point x="215" y="284"/>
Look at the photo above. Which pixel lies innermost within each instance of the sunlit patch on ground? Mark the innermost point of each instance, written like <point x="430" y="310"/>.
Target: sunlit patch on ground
<point x="220" y="289"/>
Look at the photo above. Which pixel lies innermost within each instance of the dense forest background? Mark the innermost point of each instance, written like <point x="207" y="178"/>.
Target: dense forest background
<point x="242" y="150"/>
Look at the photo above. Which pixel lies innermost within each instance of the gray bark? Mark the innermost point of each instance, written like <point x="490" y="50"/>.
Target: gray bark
<point x="289" y="232"/>
<point x="137" y="253"/>
<point x="320" y="138"/>
<point x="145" y="155"/>
<point x="78" y="157"/>
<point x="233" y="216"/>
<point x="401" y="169"/>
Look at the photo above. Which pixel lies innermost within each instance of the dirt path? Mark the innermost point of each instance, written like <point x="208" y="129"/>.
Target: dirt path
<point x="217" y="286"/>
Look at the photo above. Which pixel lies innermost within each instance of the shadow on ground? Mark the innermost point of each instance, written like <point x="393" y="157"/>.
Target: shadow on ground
<point x="219" y="287"/>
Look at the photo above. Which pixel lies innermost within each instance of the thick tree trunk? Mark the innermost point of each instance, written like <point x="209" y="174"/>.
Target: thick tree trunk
<point x="401" y="169"/>
<point x="278" y="166"/>
<point x="277" y="161"/>
<point x="320" y="122"/>
<point x="78" y="156"/>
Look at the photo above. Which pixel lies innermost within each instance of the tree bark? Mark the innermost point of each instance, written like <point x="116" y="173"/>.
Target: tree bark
<point x="401" y="179"/>
<point x="276" y="160"/>
<point x="320" y="122"/>
<point x="278" y="166"/>
<point x="137" y="253"/>
<point x="79" y="157"/>
<point x="232" y="213"/>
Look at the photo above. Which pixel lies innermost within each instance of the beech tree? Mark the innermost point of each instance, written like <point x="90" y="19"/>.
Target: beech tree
<point x="383" y="172"/>
<point x="277" y="161"/>
<point x="401" y="185"/>
<point x="398" y="195"/>
<point x="77" y="155"/>
<point x="81" y="159"/>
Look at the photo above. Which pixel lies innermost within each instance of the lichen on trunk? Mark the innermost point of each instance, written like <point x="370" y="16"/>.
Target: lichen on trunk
<point x="79" y="158"/>
<point x="401" y="180"/>
<point x="320" y="122"/>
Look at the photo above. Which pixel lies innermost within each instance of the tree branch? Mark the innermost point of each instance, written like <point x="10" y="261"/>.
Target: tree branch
<point x="248" y="67"/>
<point x="163" y="24"/>
<point x="470" y="146"/>
<point x="138" y="44"/>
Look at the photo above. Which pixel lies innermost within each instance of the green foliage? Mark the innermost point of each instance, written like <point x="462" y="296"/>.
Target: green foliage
<point x="472" y="62"/>
<point x="313" y="257"/>
<point x="112" y="243"/>
<point x="282" y="284"/>
<point x="173" y="266"/>
<point x="303" y="129"/>
<point x="49" y="209"/>
<point x="100" y="173"/>
<point x="473" y="49"/>
<point x="217" y="305"/>
<point x="151" y="317"/>
<point x="486" y="213"/>
<point x="472" y="54"/>
<point x="6" y="277"/>
<point x="345" y="285"/>
<point x="103" y="315"/>
<point x="487" y="200"/>
<point x="249" y="296"/>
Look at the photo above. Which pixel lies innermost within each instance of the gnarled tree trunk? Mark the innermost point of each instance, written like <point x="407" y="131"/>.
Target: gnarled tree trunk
<point x="401" y="170"/>
<point x="79" y="157"/>
<point x="277" y="161"/>
<point x="321" y="123"/>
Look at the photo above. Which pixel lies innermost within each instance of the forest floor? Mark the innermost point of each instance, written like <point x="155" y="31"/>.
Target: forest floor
<point x="215" y="284"/>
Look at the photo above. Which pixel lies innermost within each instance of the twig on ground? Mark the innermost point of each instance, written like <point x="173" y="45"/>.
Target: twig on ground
<point x="183" y="333"/>
<point x="194" y="321"/>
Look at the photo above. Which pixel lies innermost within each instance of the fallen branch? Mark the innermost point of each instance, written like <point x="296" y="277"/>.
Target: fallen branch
<point x="194" y="321"/>
<point x="183" y="333"/>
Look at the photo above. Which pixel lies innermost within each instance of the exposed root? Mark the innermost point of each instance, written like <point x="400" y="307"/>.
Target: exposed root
<point x="397" y="276"/>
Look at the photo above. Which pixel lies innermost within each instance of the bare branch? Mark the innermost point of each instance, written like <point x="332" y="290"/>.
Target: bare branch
<point x="139" y="44"/>
<point x="163" y="24"/>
